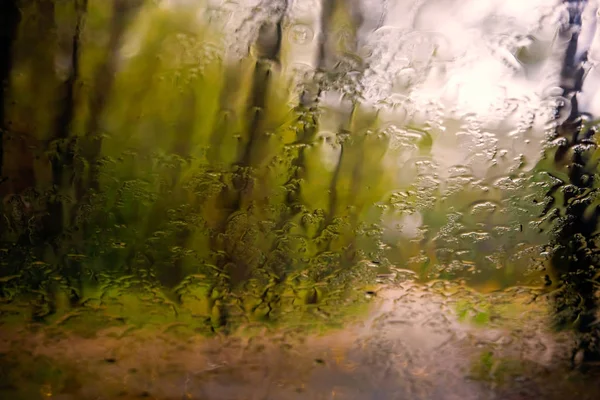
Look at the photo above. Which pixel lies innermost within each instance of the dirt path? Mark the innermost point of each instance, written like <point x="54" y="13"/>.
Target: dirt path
<point x="419" y="342"/>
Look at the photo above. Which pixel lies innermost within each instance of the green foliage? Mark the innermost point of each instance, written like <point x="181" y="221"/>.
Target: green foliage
<point x="186" y="187"/>
<point x="497" y="371"/>
<point x="204" y="210"/>
<point x="469" y="313"/>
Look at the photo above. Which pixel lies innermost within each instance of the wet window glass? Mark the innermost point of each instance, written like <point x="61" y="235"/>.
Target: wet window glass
<point x="299" y="199"/>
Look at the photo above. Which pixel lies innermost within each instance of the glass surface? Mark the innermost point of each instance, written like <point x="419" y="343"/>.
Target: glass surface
<point x="299" y="199"/>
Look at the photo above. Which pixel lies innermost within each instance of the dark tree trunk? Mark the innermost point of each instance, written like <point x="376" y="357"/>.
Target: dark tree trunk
<point x="123" y="12"/>
<point x="172" y="277"/>
<point x="576" y="256"/>
<point x="268" y="47"/>
<point x="63" y="161"/>
<point x="9" y="21"/>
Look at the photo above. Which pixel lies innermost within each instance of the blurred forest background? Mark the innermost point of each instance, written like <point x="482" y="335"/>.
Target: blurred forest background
<point x="167" y="181"/>
<point x="146" y="176"/>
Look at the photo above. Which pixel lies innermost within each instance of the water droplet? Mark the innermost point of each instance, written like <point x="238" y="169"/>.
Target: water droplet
<point x="301" y="34"/>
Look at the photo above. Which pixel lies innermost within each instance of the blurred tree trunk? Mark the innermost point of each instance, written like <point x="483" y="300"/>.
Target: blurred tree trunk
<point x="63" y="165"/>
<point x="60" y="220"/>
<point x="122" y="13"/>
<point x="576" y="256"/>
<point x="181" y="147"/>
<point x="335" y="15"/>
<point x="25" y="116"/>
<point x="268" y="46"/>
<point x="63" y="162"/>
<point x="9" y="21"/>
<point x="89" y="144"/>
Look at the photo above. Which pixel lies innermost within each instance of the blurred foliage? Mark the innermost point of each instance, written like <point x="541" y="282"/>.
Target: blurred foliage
<point x="163" y="190"/>
<point x="151" y="180"/>
<point x="574" y="241"/>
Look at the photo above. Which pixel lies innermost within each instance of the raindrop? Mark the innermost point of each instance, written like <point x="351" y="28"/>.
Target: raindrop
<point x="301" y="34"/>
